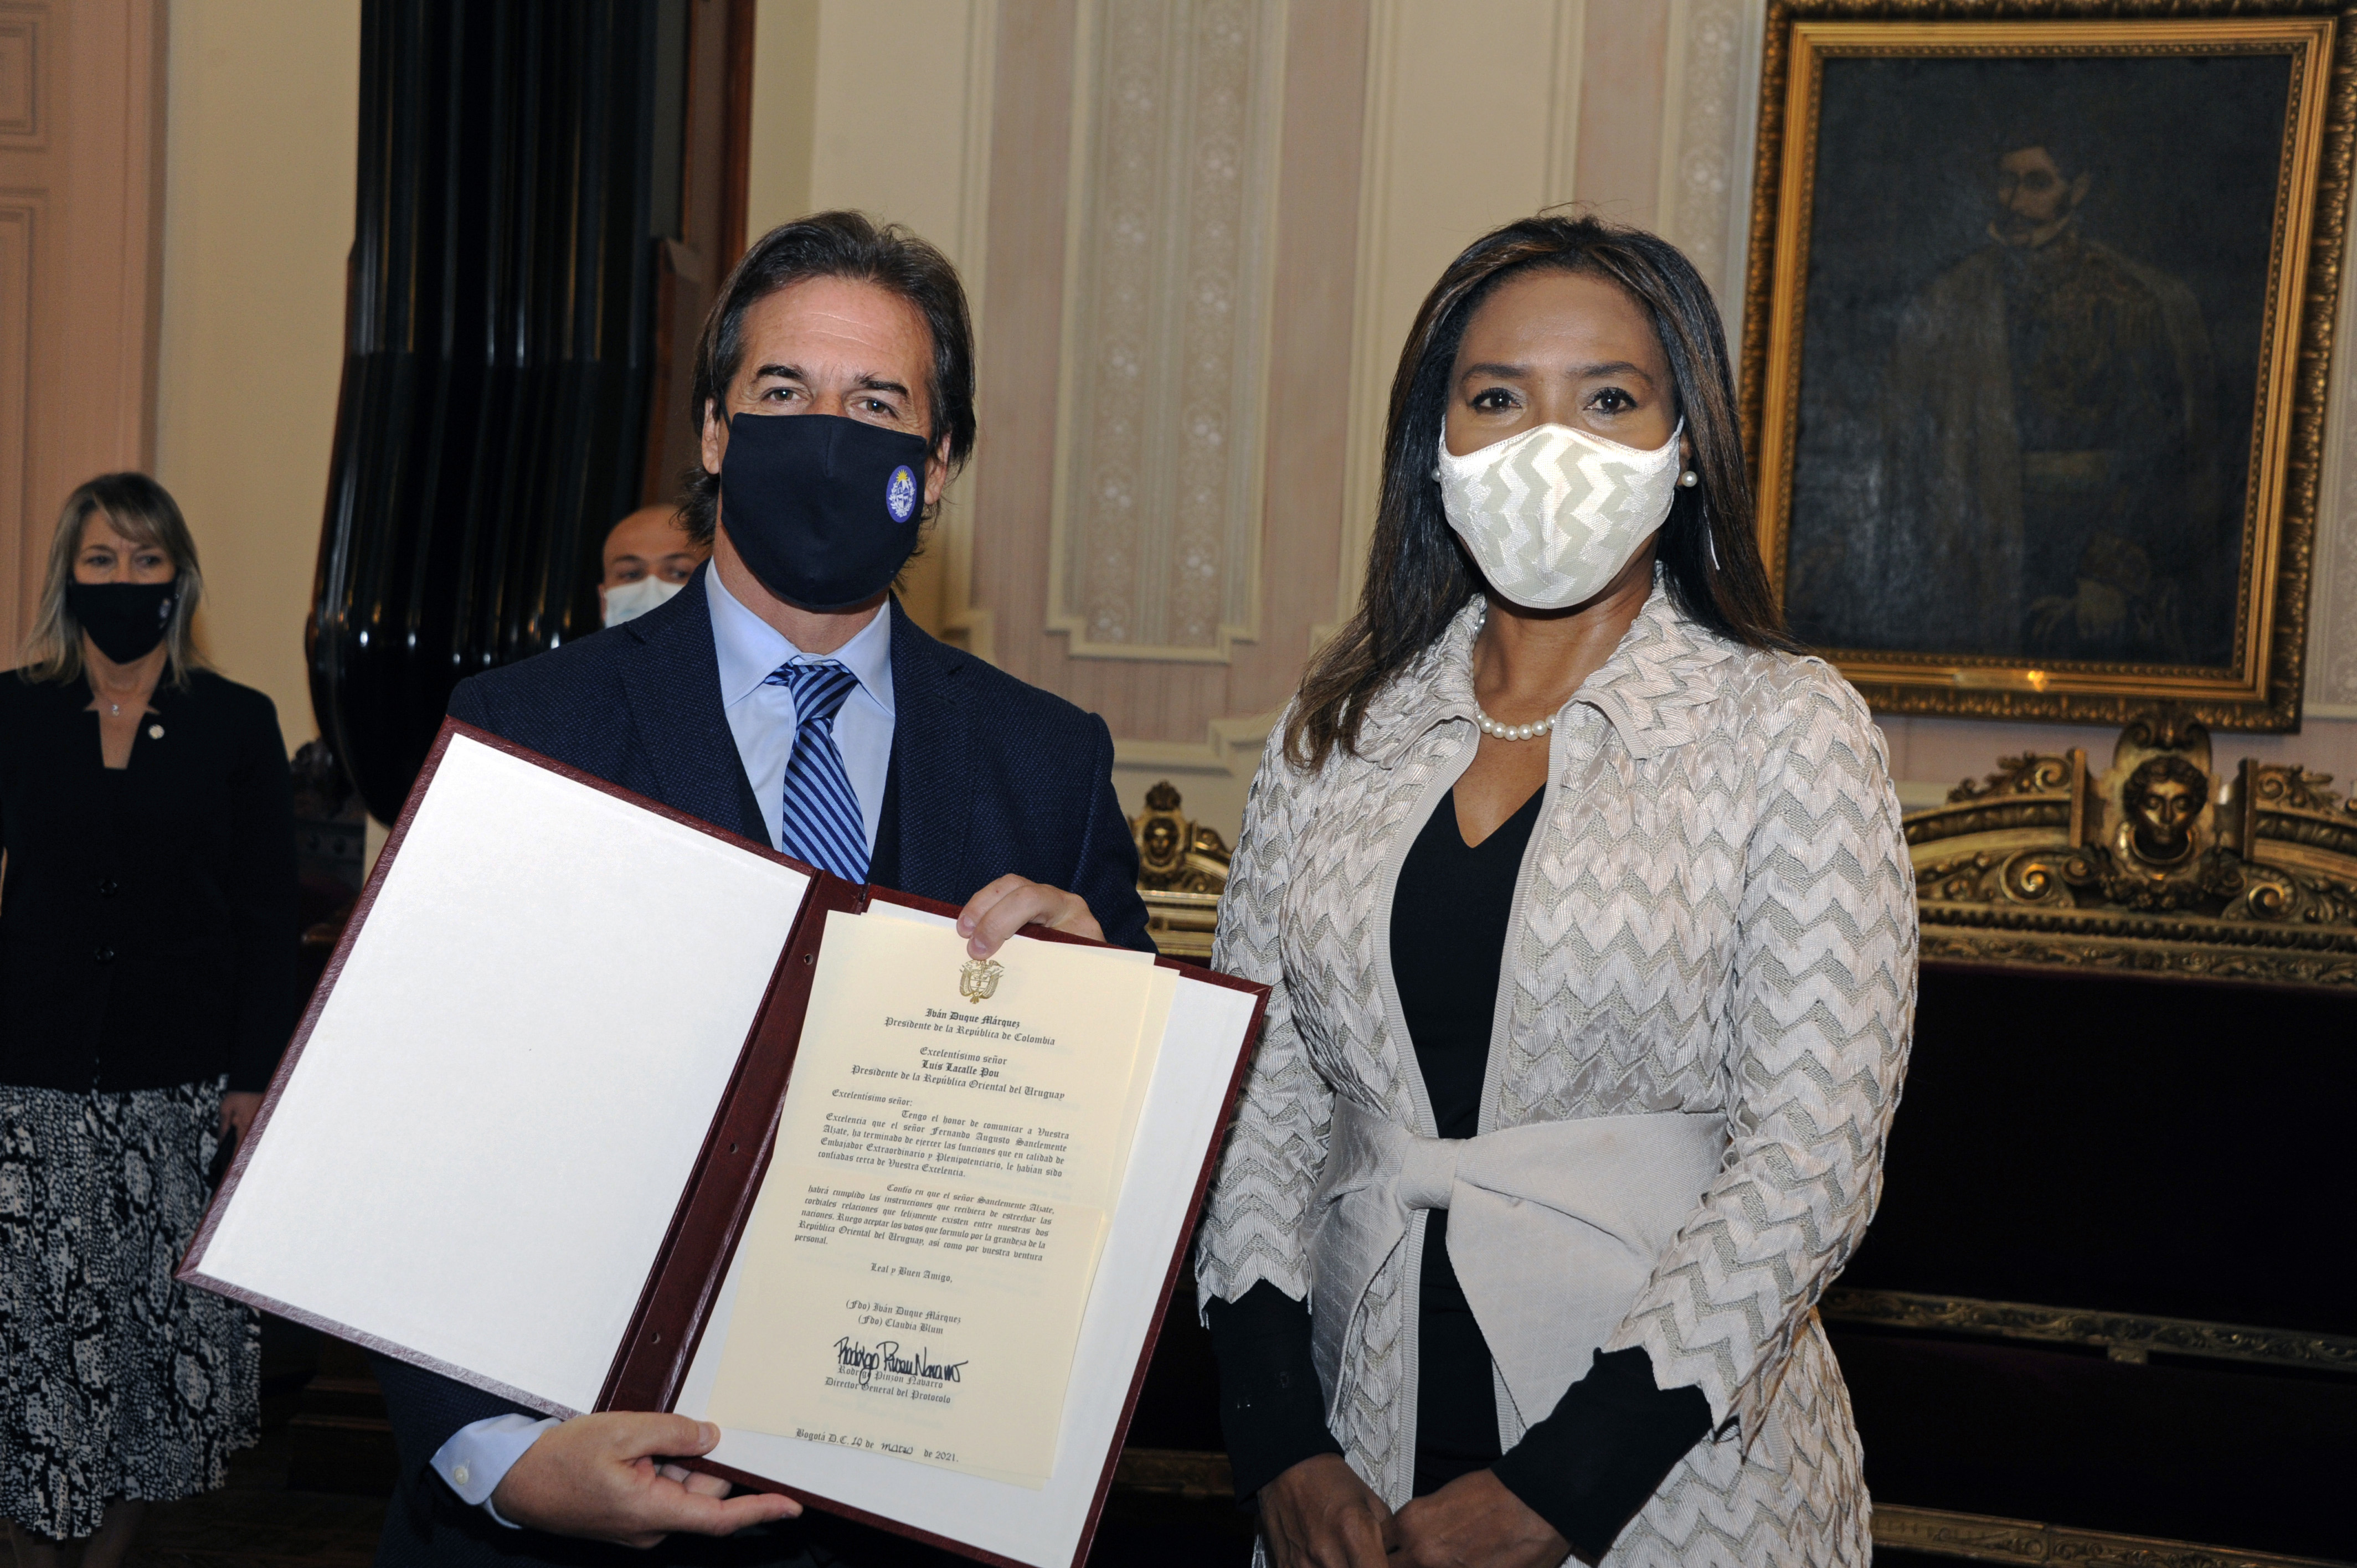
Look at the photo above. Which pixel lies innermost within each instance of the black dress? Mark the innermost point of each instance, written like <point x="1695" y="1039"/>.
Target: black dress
<point x="1450" y="916"/>
<point x="1591" y="1464"/>
<point x="147" y="945"/>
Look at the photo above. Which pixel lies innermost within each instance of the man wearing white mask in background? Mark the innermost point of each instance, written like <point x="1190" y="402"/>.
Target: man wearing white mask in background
<point x="648" y="557"/>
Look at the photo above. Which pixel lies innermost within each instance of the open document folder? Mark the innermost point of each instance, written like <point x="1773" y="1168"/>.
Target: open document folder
<point x="600" y="1108"/>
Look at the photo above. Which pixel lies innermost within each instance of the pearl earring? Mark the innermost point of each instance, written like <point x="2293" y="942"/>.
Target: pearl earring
<point x="1689" y="479"/>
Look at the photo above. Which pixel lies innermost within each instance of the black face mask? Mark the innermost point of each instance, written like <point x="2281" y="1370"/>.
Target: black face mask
<point x="125" y="619"/>
<point x="824" y="510"/>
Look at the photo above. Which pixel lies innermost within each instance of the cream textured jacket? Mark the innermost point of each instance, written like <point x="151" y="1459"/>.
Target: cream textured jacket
<point x="1715" y="916"/>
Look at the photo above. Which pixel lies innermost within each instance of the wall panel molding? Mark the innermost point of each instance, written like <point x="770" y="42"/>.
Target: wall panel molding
<point x="1563" y="105"/>
<point x="82" y="121"/>
<point x="1230" y="749"/>
<point x="1173" y="713"/>
<point x="1711" y="90"/>
<point x="963" y="622"/>
<point x="21" y="223"/>
<point x="24" y="96"/>
<point x="1170" y="252"/>
<point x="1421" y="201"/>
<point x="818" y="146"/>
<point x="1370" y="385"/>
<point x="2333" y="615"/>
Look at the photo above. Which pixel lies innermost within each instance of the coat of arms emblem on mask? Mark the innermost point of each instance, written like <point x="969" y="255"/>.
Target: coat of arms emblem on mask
<point x="979" y="978"/>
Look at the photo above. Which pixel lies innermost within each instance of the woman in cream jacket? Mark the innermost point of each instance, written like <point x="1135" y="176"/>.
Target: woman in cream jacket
<point x="1588" y="916"/>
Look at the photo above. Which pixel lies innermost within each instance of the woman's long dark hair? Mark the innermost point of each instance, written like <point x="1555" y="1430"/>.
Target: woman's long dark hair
<point x="1417" y="574"/>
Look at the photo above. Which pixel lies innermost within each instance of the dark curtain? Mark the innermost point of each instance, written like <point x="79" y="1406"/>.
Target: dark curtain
<point x="499" y="343"/>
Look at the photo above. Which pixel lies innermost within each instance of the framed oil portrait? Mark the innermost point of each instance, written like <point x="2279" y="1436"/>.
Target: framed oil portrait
<point x="2039" y="311"/>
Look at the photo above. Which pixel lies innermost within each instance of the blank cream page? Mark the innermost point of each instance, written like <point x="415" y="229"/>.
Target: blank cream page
<point x="481" y="1149"/>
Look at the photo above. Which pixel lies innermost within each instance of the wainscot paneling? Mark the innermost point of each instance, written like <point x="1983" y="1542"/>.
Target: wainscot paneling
<point x="1155" y="531"/>
<point x="81" y="104"/>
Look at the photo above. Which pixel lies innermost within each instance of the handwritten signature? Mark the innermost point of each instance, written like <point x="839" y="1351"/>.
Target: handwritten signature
<point x="852" y="1356"/>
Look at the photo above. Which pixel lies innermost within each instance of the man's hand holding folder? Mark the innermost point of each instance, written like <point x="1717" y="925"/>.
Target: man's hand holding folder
<point x="605" y="1477"/>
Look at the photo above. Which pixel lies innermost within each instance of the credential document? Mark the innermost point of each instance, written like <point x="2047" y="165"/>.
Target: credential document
<point x="953" y="1141"/>
<point x="928" y="1211"/>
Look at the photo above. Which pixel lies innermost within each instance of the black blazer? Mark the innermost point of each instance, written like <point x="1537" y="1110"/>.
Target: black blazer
<point x="149" y="924"/>
<point x="988" y="775"/>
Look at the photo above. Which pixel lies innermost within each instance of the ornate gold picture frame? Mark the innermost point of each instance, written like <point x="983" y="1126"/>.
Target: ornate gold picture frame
<point x="2038" y="313"/>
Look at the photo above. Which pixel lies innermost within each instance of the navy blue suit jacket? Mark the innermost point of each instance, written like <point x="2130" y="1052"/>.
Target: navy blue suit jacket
<point x="987" y="776"/>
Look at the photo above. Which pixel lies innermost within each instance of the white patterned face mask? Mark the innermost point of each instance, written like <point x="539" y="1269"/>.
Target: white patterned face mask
<point x="629" y="601"/>
<point x="1553" y="514"/>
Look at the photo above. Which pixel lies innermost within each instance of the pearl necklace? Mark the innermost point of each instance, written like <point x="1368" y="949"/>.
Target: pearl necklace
<point x="1535" y="730"/>
<point x="1531" y="731"/>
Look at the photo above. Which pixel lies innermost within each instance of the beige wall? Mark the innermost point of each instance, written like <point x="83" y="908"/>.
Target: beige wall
<point x="262" y="144"/>
<point x="1637" y="106"/>
<point x="1642" y="109"/>
<point x="819" y="142"/>
<point x="785" y="107"/>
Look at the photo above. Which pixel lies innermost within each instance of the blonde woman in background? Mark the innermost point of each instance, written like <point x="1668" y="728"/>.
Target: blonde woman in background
<point x="148" y="946"/>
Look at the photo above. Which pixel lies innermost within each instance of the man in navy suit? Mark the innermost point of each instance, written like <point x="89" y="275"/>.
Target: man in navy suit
<point x="784" y="694"/>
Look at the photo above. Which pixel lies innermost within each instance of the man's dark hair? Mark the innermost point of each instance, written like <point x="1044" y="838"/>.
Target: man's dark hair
<point x="838" y="245"/>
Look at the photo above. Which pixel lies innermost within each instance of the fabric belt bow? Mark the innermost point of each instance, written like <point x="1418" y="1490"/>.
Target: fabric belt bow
<point x="1552" y="1228"/>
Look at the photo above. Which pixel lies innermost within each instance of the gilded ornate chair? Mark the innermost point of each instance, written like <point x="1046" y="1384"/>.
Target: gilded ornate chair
<point x="1182" y="866"/>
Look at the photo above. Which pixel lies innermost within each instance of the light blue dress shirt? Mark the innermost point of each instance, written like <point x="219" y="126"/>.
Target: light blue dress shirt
<point x="760" y="717"/>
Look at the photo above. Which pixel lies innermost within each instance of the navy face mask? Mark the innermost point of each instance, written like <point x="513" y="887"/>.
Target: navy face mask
<point x="125" y="619"/>
<point x="824" y="510"/>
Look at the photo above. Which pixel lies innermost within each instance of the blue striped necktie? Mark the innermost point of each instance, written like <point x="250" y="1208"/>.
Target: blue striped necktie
<point x="822" y="824"/>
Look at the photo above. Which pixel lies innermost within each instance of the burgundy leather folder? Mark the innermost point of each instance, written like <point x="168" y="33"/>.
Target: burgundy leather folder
<point x="651" y="1359"/>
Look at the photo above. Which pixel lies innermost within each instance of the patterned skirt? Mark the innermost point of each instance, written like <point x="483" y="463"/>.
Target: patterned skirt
<point x="121" y="1384"/>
